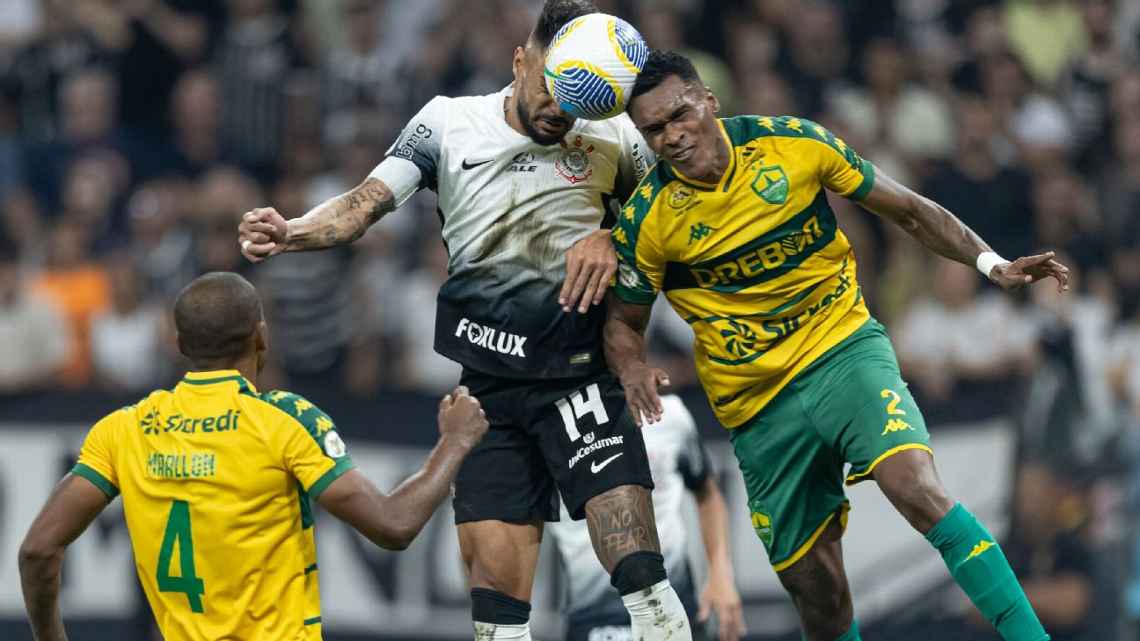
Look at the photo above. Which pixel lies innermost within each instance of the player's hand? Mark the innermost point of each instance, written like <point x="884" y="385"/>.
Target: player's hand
<point x="462" y="418"/>
<point x="641" y="383"/>
<point x="1030" y="269"/>
<point x="590" y="267"/>
<point x="721" y="597"/>
<point x="262" y="233"/>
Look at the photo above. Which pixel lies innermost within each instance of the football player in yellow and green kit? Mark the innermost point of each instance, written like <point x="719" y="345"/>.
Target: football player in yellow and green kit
<point x="733" y="224"/>
<point x="216" y="480"/>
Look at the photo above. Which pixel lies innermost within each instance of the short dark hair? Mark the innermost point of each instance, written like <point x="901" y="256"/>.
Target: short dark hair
<point x="216" y="316"/>
<point x="555" y="14"/>
<point x="658" y="67"/>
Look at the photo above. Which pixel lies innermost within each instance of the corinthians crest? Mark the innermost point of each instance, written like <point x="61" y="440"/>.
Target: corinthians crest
<point x="574" y="163"/>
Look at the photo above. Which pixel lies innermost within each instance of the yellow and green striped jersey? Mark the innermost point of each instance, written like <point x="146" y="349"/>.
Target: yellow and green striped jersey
<point x="216" y="480"/>
<point x="756" y="264"/>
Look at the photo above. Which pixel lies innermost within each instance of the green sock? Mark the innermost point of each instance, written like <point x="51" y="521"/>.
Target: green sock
<point x="852" y="633"/>
<point x="978" y="565"/>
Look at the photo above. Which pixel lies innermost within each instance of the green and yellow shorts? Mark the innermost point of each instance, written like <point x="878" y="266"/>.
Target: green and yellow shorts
<point x="849" y="406"/>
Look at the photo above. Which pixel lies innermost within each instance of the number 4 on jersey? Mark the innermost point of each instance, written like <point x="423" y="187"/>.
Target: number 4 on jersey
<point x="577" y="406"/>
<point x="178" y="534"/>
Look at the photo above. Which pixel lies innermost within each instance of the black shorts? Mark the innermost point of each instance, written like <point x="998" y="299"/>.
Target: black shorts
<point x="571" y="433"/>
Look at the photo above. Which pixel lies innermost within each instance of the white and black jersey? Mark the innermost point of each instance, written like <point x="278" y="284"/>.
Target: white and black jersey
<point x="510" y="209"/>
<point x="679" y="465"/>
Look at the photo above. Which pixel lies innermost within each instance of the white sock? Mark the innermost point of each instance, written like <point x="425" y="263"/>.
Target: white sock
<point x="657" y="614"/>
<point x="501" y="632"/>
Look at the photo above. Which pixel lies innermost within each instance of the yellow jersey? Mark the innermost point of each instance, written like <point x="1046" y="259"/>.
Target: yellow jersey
<point x="216" y="481"/>
<point x="756" y="264"/>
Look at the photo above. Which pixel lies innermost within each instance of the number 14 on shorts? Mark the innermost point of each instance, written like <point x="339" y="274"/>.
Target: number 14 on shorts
<point x="578" y="405"/>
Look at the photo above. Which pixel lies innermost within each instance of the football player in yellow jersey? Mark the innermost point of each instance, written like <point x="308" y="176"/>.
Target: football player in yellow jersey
<point x="733" y="224"/>
<point x="216" y="480"/>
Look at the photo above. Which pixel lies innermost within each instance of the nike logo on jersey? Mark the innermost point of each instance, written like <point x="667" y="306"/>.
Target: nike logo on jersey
<point x="472" y="165"/>
<point x="596" y="467"/>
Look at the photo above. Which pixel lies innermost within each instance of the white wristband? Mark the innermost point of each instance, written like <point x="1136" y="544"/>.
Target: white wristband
<point x="987" y="261"/>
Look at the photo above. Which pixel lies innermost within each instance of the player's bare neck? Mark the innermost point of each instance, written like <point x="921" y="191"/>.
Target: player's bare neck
<point x="720" y="164"/>
<point x="511" y="114"/>
<point x="246" y="366"/>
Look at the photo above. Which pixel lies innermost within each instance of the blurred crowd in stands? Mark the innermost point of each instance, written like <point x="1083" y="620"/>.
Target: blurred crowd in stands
<point x="134" y="133"/>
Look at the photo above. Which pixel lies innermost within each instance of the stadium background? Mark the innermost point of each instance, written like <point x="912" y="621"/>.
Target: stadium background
<point x="133" y="134"/>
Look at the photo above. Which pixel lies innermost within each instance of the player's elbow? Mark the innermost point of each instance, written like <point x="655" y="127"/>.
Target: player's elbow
<point x="397" y="537"/>
<point x="36" y="552"/>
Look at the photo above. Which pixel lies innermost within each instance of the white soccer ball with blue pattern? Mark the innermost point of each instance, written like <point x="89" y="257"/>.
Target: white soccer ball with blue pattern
<point x="592" y="63"/>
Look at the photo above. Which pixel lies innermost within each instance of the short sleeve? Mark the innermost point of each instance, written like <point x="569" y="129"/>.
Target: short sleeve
<point x="640" y="263"/>
<point x="311" y="449"/>
<point x="635" y="160"/>
<point x="96" y="458"/>
<point x="841" y="169"/>
<point x="412" y="162"/>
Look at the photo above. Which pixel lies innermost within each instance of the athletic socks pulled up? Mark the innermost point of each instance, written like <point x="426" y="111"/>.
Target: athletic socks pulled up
<point x="979" y="566"/>
<point x="655" y="610"/>
<point x="499" y="617"/>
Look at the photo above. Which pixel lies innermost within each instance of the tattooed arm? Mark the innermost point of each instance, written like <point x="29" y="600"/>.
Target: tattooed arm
<point x="264" y="232"/>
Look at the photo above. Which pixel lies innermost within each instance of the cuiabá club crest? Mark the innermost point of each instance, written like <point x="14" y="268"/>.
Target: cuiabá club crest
<point x="574" y="163"/>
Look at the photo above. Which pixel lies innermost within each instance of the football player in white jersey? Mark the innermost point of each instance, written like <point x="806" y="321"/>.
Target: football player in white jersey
<point x="679" y="463"/>
<point x="523" y="191"/>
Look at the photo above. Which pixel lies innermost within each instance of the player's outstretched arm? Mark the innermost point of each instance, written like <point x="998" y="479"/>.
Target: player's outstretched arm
<point x="720" y="594"/>
<point x="393" y="520"/>
<point x="264" y="232"/>
<point x="624" y="341"/>
<point x="943" y="233"/>
<point x="72" y="506"/>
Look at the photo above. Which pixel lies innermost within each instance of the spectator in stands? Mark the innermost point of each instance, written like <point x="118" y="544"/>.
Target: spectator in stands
<point x="817" y="54"/>
<point x="34" y="339"/>
<point x="991" y="197"/>
<point x="1048" y="553"/>
<point x="162" y="244"/>
<point x="1066" y="216"/>
<point x="196" y="119"/>
<point x="1035" y="121"/>
<point x="79" y="287"/>
<point x="1087" y="84"/>
<point x="1047" y="34"/>
<point x="959" y="345"/>
<point x="1124" y="366"/>
<point x="254" y="63"/>
<point x="359" y="71"/>
<point x="898" y="121"/>
<point x="127" y="338"/>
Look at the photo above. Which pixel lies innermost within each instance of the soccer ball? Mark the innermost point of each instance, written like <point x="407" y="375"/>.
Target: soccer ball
<point x="592" y="63"/>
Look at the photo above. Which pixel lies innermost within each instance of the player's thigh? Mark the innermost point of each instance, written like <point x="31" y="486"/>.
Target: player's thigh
<point x="794" y="479"/>
<point x="589" y="442"/>
<point x="505" y="478"/>
<point x="501" y="556"/>
<point x="860" y="404"/>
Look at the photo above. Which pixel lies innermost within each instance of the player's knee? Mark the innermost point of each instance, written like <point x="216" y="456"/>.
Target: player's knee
<point x="911" y="483"/>
<point x="638" y="571"/>
<point x="492" y="606"/>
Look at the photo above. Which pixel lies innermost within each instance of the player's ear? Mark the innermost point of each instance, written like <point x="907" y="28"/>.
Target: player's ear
<point x="713" y="101"/>
<point x="517" y="61"/>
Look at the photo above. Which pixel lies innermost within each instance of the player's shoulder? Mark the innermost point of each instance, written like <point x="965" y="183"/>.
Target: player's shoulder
<point x="749" y="129"/>
<point x="296" y="408"/>
<point x="143" y="412"/>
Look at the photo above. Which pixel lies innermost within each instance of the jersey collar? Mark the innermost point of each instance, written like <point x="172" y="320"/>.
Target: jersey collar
<point x="725" y="179"/>
<point x="213" y="377"/>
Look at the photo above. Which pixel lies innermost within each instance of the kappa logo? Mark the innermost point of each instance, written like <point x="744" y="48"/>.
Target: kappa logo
<point x="896" y="425"/>
<point x="699" y="231"/>
<point x="489" y="338"/>
<point x="981" y="547"/>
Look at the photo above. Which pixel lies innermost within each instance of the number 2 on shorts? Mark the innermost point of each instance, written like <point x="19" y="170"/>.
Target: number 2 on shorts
<point x="893" y="405"/>
<point x="178" y="534"/>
